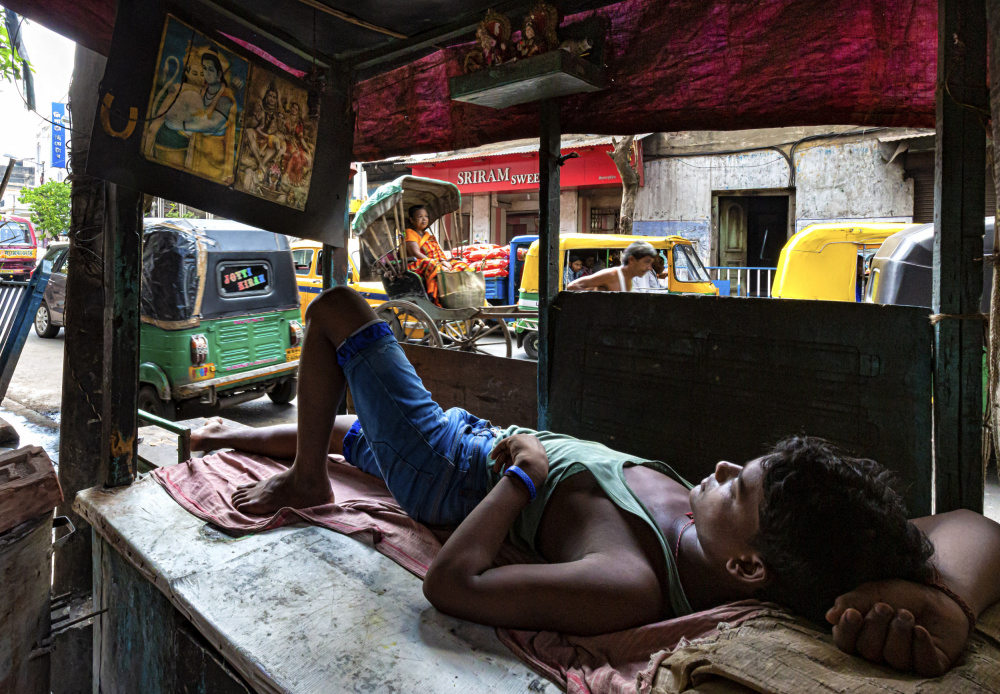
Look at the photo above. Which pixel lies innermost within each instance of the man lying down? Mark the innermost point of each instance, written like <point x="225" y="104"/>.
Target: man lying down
<point x="629" y="542"/>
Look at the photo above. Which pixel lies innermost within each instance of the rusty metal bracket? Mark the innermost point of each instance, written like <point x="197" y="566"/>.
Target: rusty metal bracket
<point x="562" y="158"/>
<point x="60" y="522"/>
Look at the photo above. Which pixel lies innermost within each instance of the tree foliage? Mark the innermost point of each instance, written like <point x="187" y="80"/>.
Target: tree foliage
<point x="50" y="207"/>
<point x="10" y="61"/>
<point x="174" y="212"/>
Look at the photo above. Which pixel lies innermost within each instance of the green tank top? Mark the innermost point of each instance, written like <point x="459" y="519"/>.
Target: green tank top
<point x="568" y="456"/>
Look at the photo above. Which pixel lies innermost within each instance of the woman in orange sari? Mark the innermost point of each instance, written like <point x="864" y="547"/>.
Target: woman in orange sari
<point x="424" y="254"/>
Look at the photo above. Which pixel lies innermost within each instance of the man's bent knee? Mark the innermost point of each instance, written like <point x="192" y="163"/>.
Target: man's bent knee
<point x="340" y="310"/>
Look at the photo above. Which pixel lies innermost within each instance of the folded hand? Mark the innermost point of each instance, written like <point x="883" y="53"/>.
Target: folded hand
<point x="909" y="626"/>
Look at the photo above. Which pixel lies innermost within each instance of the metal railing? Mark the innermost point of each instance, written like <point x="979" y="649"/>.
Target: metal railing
<point x="744" y="281"/>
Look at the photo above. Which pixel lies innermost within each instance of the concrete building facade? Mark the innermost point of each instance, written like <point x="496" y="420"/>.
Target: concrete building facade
<point x="741" y="195"/>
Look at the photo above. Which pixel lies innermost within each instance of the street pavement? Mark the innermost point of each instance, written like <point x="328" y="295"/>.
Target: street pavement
<point x="34" y="398"/>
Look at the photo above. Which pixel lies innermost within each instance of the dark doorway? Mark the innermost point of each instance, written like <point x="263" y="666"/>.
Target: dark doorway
<point x="767" y="229"/>
<point x="752" y="231"/>
<point x="521" y="223"/>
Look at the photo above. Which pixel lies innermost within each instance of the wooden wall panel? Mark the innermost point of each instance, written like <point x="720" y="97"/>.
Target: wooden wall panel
<point x="494" y="388"/>
<point x="694" y="380"/>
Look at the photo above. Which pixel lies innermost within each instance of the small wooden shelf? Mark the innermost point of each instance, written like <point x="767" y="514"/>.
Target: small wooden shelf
<point x="547" y="76"/>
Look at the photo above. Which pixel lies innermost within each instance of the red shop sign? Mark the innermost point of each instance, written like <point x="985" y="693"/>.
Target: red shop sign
<point x="518" y="172"/>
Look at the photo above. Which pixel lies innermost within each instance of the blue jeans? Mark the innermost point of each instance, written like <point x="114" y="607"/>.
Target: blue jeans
<point x="435" y="463"/>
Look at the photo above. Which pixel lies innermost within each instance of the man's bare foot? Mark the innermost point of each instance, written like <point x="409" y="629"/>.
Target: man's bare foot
<point x="280" y="491"/>
<point x="208" y="438"/>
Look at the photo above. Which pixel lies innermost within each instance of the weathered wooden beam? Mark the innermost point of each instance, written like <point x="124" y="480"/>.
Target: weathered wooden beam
<point x="83" y="372"/>
<point x="247" y="19"/>
<point x="549" y="152"/>
<point x="29" y="486"/>
<point x="122" y="274"/>
<point x="993" y="353"/>
<point x="959" y="187"/>
<point x="326" y="265"/>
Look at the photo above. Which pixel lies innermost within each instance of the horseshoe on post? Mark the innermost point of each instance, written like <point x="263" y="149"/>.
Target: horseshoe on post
<point x="126" y="132"/>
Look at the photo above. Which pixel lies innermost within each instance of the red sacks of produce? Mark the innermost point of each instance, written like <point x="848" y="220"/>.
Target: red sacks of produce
<point x="479" y="252"/>
<point x="495" y="273"/>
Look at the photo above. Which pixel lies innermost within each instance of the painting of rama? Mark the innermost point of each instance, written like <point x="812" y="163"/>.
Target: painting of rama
<point x="196" y="107"/>
<point x="279" y="141"/>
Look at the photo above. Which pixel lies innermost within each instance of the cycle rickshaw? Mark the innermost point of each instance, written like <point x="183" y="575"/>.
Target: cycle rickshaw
<point x="465" y="322"/>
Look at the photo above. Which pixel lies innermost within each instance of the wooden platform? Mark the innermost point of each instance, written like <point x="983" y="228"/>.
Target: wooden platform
<point x="299" y="609"/>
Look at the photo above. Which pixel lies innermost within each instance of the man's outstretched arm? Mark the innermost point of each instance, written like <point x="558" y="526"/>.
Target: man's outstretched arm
<point x="604" y="279"/>
<point x="916" y="627"/>
<point x="593" y="595"/>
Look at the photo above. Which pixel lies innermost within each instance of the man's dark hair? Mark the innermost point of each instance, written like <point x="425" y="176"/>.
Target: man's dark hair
<point x="638" y="250"/>
<point x="829" y="523"/>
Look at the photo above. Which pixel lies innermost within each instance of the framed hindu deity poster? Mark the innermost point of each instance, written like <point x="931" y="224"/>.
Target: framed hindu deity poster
<point x="194" y="114"/>
<point x="279" y="140"/>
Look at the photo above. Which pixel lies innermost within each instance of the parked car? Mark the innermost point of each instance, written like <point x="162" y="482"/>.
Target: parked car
<point x="220" y="314"/>
<point x="49" y="316"/>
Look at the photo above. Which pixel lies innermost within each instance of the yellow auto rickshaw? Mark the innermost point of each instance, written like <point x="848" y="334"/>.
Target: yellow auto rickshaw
<point x="308" y="258"/>
<point x="829" y="261"/>
<point x="685" y="272"/>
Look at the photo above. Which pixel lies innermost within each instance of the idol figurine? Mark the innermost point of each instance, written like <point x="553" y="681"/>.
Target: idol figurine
<point x="539" y="32"/>
<point x="493" y="43"/>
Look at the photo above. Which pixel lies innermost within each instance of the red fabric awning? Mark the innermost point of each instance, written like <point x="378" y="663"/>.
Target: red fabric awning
<point x="691" y="65"/>
<point x="672" y="65"/>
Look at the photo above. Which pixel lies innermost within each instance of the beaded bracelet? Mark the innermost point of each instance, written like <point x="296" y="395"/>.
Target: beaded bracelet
<point x="523" y="476"/>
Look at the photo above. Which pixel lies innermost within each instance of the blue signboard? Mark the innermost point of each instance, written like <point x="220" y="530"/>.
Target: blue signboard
<point x="58" y="136"/>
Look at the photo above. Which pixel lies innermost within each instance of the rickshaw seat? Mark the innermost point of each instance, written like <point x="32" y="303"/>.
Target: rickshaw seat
<point x="409" y="286"/>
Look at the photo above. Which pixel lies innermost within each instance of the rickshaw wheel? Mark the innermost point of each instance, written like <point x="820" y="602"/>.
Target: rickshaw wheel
<point x="409" y="323"/>
<point x="467" y="335"/>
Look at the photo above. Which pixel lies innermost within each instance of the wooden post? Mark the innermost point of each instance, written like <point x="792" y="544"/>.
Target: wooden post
<point x="549" y="152"/>
<point x="83" y="358"/>
<point x="959" y="186"/>
<point x="122" y="263"/>
<point x="993" y="353"/>
<point x="326" y="265"/>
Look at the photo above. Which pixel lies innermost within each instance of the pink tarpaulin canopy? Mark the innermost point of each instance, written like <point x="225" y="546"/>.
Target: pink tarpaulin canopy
<point x="691" y="65"/>
<point x="671" y="65"/>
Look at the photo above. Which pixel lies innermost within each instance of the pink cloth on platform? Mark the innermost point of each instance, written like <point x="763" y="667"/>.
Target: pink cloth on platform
<point x="617" y="663"/>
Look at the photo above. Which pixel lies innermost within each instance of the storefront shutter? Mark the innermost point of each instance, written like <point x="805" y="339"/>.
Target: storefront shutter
<point x="920" y="167"/>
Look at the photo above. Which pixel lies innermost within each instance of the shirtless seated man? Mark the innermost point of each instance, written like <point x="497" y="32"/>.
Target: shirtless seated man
<point x="637" y="260"/>
<point x="630" y="542"/>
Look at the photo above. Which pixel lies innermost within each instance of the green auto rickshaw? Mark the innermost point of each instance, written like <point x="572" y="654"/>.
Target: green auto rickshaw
<point x="220" y="316"/>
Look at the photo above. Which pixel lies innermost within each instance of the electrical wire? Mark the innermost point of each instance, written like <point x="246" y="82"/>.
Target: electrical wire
<point x="729" y="166"/>
<point x="17" y="88"/>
